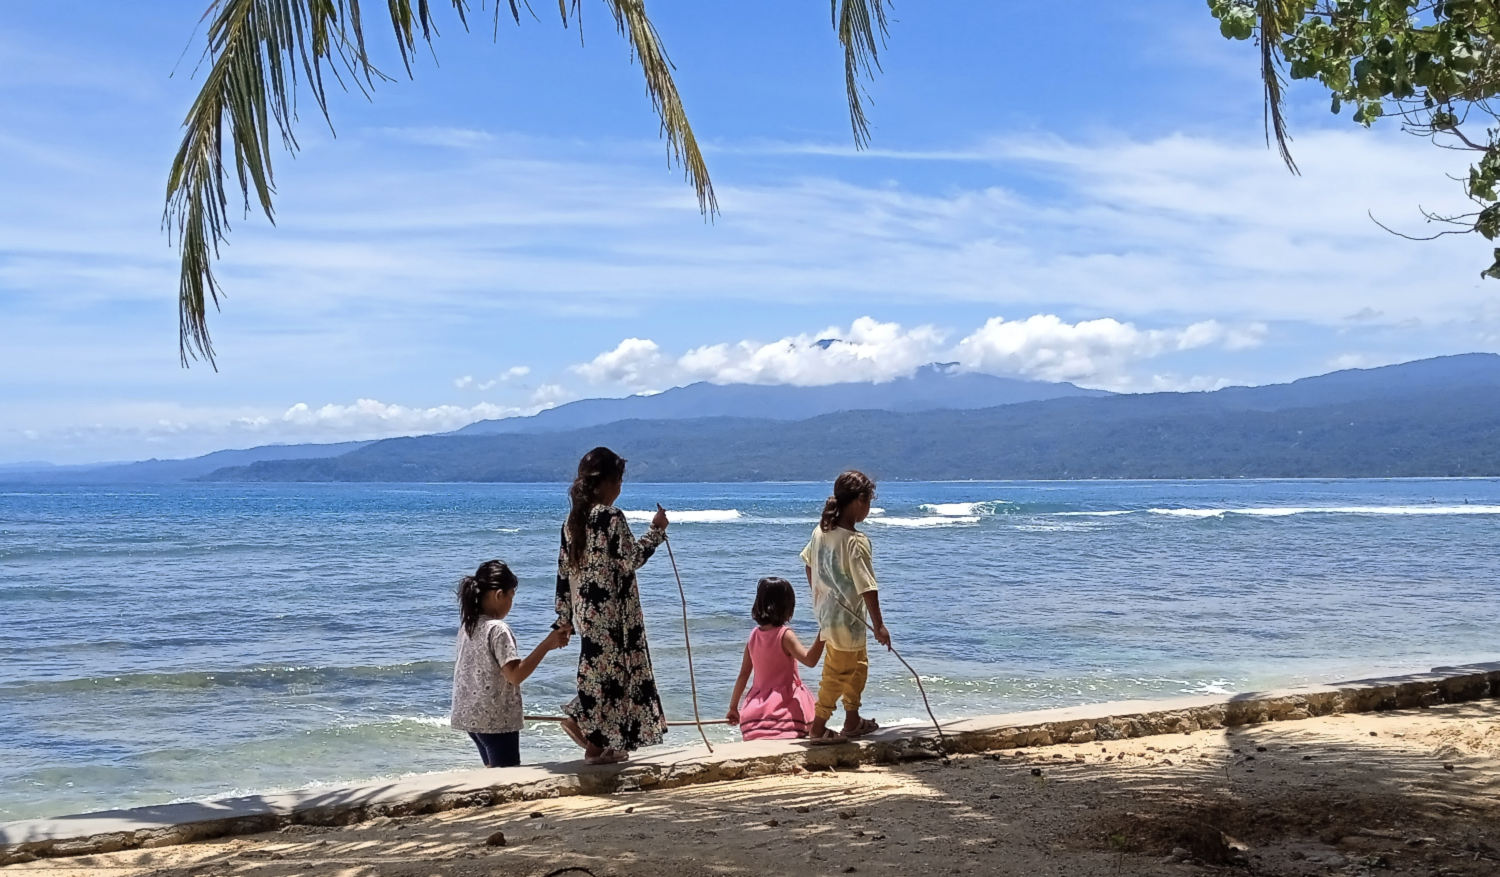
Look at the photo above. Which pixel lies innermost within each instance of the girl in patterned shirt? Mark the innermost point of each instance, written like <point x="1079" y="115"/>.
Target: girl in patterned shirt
<point x="488" y="669"/>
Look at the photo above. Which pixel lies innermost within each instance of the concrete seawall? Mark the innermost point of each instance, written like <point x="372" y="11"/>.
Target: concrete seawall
<point x="145" y="827"/>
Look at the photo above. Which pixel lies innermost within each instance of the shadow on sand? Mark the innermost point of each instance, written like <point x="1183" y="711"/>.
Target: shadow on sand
<point x="1393" y="792"/>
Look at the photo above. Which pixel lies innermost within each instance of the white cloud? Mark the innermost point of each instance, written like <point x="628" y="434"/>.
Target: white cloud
<point x="514" y="373"/>
<point x="370" y="418"/>
<point x="140" y="430"/>
<point x="1097" y="352"/>
<point x="1169" y="383"/>
<point x="634" y="362"/>
<point x="1365" y="360"/>
<point x="550" y="396"/>
<point x="867" y="350"/>
<point x="444" y="137"/>
<point x="1145" y="227"/>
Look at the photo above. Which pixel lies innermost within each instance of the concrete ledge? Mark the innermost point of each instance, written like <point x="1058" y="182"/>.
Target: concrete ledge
<point x="145" y="827"/>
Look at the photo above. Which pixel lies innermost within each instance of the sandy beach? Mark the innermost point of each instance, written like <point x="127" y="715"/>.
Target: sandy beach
<point x="1404" y="792"/>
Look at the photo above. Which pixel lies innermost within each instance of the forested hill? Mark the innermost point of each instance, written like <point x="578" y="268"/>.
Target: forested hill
<point x="1408" y="432"/>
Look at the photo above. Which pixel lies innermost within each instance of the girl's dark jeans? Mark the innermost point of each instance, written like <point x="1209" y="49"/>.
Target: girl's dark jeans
<point x="498" y="750"/>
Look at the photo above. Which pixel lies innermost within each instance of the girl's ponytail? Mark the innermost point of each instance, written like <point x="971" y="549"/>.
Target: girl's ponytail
<point x="598" y="467"/>
<point x="492" y="575"/>
<point x="469" y="597"/>
<point x="831" y="514"/>
<point x="848" y="488"/>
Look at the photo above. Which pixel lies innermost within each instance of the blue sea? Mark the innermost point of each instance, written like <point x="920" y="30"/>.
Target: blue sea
<point x="162" y="643"/>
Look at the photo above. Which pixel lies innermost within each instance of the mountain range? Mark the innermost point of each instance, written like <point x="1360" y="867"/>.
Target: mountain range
<point x="933" y="387"/>
<point x="1436" y="417"/>
<point x="153" y="471"/>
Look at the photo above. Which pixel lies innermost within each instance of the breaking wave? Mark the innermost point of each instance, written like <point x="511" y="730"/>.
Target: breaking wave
<point x="688" y="516"/>
<point x="932" y="521"/>
<point x="963" y="509"/>
<point x="1289" y="511"/>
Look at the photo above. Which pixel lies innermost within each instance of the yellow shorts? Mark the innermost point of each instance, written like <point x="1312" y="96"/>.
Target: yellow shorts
<point x="844" y="675"/>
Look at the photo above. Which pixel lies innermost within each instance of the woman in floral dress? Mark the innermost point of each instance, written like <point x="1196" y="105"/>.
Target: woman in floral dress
<point x="617" y="709"/>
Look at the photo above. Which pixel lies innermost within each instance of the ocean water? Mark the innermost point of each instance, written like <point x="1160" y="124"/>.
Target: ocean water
<point x="161" y="643"/>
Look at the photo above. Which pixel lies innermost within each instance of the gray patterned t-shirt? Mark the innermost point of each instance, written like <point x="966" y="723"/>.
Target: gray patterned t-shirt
<point x="484" y="701"/>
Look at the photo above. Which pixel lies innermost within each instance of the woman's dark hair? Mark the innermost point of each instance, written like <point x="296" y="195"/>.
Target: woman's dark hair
<point x="492" y="575"/>
<point x="598" y="467"/>
<point x="775" y="601"/>
<point x="848" y="488"/>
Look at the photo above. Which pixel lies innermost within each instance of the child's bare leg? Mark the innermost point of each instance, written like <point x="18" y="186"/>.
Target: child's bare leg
<point x="573" y="731"/>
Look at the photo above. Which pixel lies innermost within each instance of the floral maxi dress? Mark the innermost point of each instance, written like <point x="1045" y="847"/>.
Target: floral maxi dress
<point x="617" y="706"/>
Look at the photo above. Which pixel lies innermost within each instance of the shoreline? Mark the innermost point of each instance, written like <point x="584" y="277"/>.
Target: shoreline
<point x="80" y="482"/>
<point x="159" y="826"/>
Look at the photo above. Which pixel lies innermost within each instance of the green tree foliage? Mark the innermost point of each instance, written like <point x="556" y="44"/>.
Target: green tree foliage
<point x="1431" y="65"/>
<point x="262" y="54"/>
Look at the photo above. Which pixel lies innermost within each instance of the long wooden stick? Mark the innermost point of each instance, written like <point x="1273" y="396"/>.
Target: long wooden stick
<point x="942" y="739"/>
<point x="669" y="724"/>
<point x="687" y="641"/>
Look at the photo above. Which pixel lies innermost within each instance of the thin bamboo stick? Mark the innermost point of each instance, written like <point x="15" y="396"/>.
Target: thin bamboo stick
<point x="687" y="641"/>
<point x="669" y="724"/>
<point x="942" y="739"/>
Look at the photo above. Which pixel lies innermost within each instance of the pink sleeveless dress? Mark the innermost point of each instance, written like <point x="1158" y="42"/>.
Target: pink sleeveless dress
<point x="778" y="706"/>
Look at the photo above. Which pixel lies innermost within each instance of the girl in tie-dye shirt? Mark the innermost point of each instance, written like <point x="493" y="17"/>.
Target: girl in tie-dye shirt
<point x="842" y="578"/>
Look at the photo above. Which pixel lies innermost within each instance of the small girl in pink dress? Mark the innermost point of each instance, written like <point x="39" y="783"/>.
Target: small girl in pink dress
<point x="779" y="706"/>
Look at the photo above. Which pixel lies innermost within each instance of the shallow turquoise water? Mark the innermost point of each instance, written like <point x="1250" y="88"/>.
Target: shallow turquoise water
<point x="168" y="642"/>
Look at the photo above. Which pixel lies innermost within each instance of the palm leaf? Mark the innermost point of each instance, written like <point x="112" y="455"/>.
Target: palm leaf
<point x="861" y="26"/>
<point x="1275" y="18"/>
<point x="645" y="45"/>
<point x="262" y="53"/>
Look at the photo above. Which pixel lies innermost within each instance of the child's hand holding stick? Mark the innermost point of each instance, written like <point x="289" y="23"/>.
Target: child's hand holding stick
<point x="883" y="637"/>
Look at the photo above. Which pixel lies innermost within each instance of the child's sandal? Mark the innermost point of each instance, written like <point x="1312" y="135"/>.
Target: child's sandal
<point x="829" y="738"/>
<point x="866" y="726"/>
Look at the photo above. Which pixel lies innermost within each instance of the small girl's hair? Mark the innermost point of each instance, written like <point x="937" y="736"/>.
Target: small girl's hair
<point x="492" y="575"/>
<point x="775" y="601"/>
<point x="847" y="488"/>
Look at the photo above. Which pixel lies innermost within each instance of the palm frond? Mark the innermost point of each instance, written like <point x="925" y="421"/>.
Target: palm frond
<point x="261" y="53"/>
<point x="861" y="26"/>
<point x="645" y="44"/>
<point x="255" y="50"/>
<point x="1272" y="16"/>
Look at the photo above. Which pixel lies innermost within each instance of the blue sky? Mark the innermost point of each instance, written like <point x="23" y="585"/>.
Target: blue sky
<point x="1082" y="197"/>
